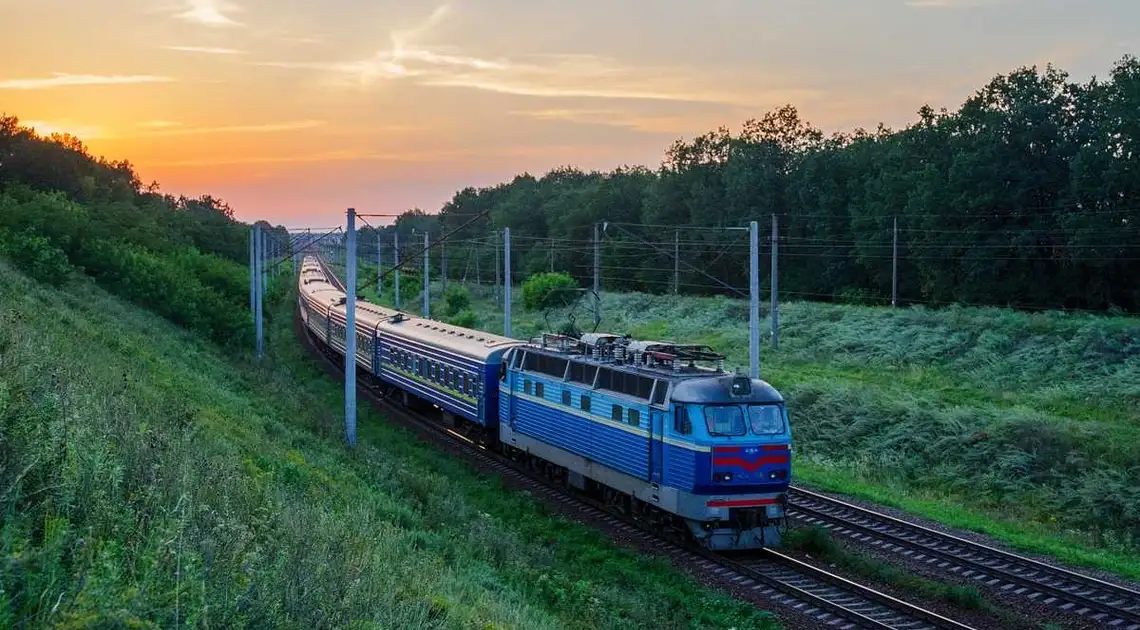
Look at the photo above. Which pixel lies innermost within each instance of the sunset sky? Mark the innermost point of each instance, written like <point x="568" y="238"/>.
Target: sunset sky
<point x="292" y="110"/>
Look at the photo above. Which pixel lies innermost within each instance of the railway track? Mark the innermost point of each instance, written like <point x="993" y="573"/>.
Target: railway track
<point x="828" y="599"/>
<point x="1087" y="597"/>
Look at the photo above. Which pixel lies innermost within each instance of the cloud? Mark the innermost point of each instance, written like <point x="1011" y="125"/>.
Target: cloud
<point x="206" y="50"/>
<point x="368" y="155"/>
<point x="83" y="132"/>
<point x="610" y="118"/>
<point x="175" y="129"/>
<point x="209" y="13"/>
<point x="60" y="79"/>
<point x="571" y="76"/>
<point x="158" y="124"/>
<point x="946" y="4"/>
<point x="350" y="155"/>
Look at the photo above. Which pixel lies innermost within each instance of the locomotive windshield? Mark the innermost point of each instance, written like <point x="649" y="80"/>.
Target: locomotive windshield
<point x="737" y="420"/>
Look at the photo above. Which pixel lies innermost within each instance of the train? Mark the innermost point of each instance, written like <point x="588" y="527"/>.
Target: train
<point x="656" y="430"/>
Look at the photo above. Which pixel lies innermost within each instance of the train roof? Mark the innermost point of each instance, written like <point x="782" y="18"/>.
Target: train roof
<point x="726" y="388"/>
<point x="655" y="359"/>
<point x="655" y="371"/>
<point x="474" y="344"/>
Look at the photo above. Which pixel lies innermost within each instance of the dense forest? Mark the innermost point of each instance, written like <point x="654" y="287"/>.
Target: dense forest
<point x="1028" y="195"/>
<point x="62" y="209"/>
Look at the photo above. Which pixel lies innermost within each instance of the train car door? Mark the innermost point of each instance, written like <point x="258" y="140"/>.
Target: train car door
<point x="656" y="433"/>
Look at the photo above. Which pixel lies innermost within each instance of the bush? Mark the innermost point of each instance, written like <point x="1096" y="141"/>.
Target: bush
<point x="465" y="319"/>
<point x="456" y="299"/>
<point x="549" y="290"/>
<point x="36" y="256"/>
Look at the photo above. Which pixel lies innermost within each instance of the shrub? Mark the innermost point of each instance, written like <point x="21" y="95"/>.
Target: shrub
<point x="549" y="290"/>
<point x="465" y="319"/>
<point x="456" y="299"/>
<point x="36" y="256"/>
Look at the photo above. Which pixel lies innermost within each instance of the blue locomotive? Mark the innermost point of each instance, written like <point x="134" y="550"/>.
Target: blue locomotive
<point x="657" y="430"/>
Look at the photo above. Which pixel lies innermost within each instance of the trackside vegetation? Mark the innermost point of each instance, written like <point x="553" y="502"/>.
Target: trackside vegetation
<point x="149" y="478"/>
<point x="1019" y="425"/>
<point x="61" y="207"/>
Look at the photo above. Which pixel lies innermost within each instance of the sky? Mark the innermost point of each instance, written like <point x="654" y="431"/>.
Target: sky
<point x="294" y="110"/>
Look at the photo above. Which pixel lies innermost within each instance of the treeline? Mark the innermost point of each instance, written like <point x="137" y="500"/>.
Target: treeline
<point x="1028" y="195"/>
<point x="62" y="209"/>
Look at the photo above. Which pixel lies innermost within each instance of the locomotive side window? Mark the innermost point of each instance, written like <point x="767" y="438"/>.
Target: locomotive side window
<point x="615" y="413"/>
<point x="681" y="423"/>
<point x="526" y="386"/>
<point x="584" y="403"/>
<point x="566" y="397"/>
<point x="635" y="417"/>
<point x="538" y="389"/>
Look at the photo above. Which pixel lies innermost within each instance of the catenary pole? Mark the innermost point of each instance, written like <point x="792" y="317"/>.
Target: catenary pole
<point x="597" y="278"/>
<point x="676" y="262"/>
<point x="754" y="301"/>
<point x="259" y="242"/>
<point x="427" y="279"/>
<point x="498" y="272"/>
<point x="895" y="264"/>
<point x="350" y="331"/>
<point x="775" y="306"/>
<point x="507" y="283"/>
<point x="396" y="261"/>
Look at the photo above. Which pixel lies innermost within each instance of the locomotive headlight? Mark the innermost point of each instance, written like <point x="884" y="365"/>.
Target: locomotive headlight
<point x="723" y="476"/>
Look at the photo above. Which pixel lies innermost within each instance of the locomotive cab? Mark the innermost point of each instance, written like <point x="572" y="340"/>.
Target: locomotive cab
<point x="742" y="424"/>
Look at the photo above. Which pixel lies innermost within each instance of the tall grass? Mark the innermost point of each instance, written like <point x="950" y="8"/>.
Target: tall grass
<point x="1021" y="425"/>
<point x="149" y="479"/>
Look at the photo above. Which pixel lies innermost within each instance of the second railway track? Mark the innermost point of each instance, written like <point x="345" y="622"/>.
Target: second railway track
<point x="1088" y="597"/>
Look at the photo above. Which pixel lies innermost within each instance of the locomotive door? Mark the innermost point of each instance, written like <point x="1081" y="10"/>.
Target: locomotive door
<point x="656" y="432"/>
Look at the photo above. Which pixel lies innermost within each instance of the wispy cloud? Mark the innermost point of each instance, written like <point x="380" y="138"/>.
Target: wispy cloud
<point x="585" y="76"/>
<point x="163" y="128"/>
<point x="158" y="124"/>
<point x="83" y="132"/>
<point x="60" y="79"/>
<point x="209" y="13"/>
<point x="946" y="4"/>
<point x="209" y="50"/>
<point x="394" y="157"/>
<point x="610" y="118"/>
<point x="346" y="155"/>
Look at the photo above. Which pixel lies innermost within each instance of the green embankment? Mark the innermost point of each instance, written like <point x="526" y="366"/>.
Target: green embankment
<point x="148" y="479"/>
<point x="1022" y="426"/>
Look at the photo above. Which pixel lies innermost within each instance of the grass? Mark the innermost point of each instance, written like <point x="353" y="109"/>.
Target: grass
<point x="150" y="479"/>
<point x="817" y="542"/>
<point x="1022" y="426"/>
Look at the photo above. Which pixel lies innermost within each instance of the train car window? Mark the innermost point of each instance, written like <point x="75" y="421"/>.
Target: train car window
<point x="681" y="423"/>
<point x="584" y="403"/>
<point x="538" y="390"/>
<point x="635" y="417"/>
<point x="526" y="387"/>
<point x="503" y="372"/>
<point x="566" y="397"/>
<point x="615" y="413"/>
